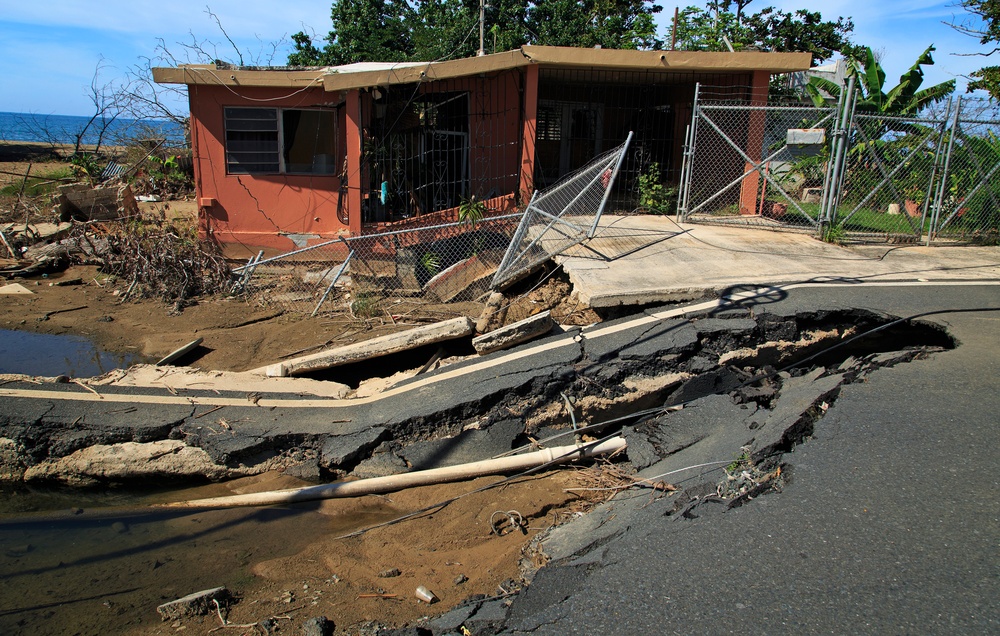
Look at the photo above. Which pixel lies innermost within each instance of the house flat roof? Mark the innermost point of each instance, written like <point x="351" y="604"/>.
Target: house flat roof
<point x="367" y="74"/>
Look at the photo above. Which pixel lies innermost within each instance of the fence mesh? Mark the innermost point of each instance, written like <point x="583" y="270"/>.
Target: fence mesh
<point x="744" y="171"/>
<point x="933" y="177"/>
<point x="439" y="264"/>
<point x="562" y="215"/>
<point x="969" y="197"/>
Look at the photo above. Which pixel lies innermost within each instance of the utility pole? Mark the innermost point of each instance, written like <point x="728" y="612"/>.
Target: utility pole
<point x="482" y="17"/>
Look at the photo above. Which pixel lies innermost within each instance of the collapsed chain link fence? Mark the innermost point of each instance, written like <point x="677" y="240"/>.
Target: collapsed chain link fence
<point x="846" y="175"/>
<point x="438" y="264"/>
<point x="563" y="215"/>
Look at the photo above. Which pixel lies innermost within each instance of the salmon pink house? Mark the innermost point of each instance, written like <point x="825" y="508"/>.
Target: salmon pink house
<point x="284" y="158"/>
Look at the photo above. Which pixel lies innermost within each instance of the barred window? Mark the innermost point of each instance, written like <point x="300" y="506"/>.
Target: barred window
<point x="280" y="140"/>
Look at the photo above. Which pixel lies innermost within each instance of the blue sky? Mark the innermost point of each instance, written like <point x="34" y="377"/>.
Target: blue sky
<point x="49" y="48"/>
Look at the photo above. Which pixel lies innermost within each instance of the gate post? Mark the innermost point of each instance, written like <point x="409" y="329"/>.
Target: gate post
<point x="943" y="183"/>
<point x="831" y="197"/>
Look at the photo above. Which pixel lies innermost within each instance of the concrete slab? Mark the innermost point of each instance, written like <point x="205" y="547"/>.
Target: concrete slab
<point x="383" y="346"/>
<point x="514" y="334"/>
<point x="646" y="259"/>
<point x="15" y="289"/>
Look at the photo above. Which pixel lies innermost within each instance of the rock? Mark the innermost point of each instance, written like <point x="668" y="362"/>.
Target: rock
<point x="493" y="313"/>
<point x="388" y="574"/>
<point x="19" y="550"/>
<point x="318" y="626"/>
<point x="195" y="604"/>
<point x="461" y="578"/>
<point x="514" y="334"/>
<point x="129" y="461"/>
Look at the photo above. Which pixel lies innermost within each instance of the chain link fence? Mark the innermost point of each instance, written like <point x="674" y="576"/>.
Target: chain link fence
<point x="846" y="176"/>
<point x="444" y="263"/>
<point x="562" y="215"/>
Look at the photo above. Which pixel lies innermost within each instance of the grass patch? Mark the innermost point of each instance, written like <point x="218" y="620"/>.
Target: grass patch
<point x="41" y="184"/>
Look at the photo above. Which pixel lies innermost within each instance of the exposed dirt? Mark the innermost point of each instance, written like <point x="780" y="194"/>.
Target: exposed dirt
<point x="285" y="565"/>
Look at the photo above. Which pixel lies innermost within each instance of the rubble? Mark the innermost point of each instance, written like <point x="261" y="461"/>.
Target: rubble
<point x="514" y="334"/>
<point x="194" y="604"/>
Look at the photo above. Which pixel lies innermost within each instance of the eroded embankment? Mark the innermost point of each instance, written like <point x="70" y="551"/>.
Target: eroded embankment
<point x="479" y="407"/>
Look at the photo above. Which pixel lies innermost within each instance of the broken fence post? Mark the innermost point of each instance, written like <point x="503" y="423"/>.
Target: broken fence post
<point x="340" y="272"/>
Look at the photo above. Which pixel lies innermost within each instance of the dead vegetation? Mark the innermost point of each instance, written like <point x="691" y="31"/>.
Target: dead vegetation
<point x="163" y="260"/>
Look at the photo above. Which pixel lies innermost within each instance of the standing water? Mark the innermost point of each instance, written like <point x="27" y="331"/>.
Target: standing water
<point x="51" y="355"/>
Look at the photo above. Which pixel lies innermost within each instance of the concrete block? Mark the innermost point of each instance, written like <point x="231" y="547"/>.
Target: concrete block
<point x="383" y="346"/>
<point x="515" y="334"/>
<point x="450" y="283"/>
<point x="194" y="604"/>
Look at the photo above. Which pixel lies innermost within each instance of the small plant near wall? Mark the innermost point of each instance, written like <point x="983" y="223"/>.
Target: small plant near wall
<point x="835" y="235"/>
<point x="653" y="195"/>
<point x="431" y="262"/>
<point x="471" y="211"/>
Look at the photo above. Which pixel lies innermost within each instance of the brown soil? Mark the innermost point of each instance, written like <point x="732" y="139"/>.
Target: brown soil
<point x="316" y="573"/>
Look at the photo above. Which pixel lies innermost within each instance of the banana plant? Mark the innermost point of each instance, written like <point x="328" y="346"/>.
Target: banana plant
<point x="904" y="99"/>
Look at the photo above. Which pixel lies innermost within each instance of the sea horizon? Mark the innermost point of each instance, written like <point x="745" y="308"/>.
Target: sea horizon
<point x="64" y="129"/>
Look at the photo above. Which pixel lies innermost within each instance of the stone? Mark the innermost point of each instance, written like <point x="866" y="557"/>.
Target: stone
<point x="388" y="574"/>
<point x="195" y="604"/>
<point x="493" y="313"/>
<point x="514" y="334"/>
<point x="318" y="626"/>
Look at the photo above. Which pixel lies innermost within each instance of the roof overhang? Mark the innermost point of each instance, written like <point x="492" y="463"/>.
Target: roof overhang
<point x="364" y="76"/>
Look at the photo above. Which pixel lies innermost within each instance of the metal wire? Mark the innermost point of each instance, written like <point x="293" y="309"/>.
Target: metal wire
<point x="933" y="176"/>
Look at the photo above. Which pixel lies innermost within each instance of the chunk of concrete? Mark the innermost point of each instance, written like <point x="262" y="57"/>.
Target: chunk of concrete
<point x="512" y="335"/>
<point x="452" y="282"/>
<point x="195" y="604"/>
<point x="494" y="308"/>
<point x="376" y="347"/>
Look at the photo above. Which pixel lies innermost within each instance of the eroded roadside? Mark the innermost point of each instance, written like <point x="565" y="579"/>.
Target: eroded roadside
<point x="720" y="367"/>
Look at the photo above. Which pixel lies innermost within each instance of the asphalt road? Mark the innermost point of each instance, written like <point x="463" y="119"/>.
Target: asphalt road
<point x="890" y="523"/>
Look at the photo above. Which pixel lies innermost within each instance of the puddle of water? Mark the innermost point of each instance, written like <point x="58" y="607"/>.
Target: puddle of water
<point x="101" y="572"/>
<point x="51" y="355"/>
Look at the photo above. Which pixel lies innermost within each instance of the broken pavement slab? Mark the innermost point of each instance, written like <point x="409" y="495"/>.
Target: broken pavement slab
<point x="468" y="277"/>
<point x="393" y="343"/>
<point x="514" y="334"/>
<point x="15" y="289"/>
<point x="181" y="378"/>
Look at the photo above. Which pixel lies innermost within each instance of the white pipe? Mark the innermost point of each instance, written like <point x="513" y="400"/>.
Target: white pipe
<point x="390" y="483"/>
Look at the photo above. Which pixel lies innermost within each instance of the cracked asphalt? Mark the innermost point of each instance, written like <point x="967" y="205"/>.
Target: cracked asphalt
<point x="889" y="523"/>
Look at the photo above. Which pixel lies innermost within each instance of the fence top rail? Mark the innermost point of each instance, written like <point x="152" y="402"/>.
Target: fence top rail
<point x="987" y="122"/>
<point x="431" y="228"/>
<point x="766" y="107"/>
<point x="897" y="118"/>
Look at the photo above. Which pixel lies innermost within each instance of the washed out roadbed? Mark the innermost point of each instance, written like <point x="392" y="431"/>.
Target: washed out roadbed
<point x="718" y="371"/>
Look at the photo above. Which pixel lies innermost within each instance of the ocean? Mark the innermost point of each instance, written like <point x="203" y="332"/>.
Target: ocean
<point x="63" y="129"/>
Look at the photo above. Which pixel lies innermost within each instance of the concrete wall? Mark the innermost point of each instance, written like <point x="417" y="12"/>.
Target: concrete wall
<point x="259" y="210"/>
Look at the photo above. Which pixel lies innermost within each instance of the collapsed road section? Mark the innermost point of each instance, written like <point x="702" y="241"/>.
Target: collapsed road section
<point x="719" y="361"/>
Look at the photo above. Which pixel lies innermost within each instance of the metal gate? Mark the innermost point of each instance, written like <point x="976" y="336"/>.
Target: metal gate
<point x="561" y="216"/>
<point x="846" y="175"/>
<point x="737" y="165"/>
